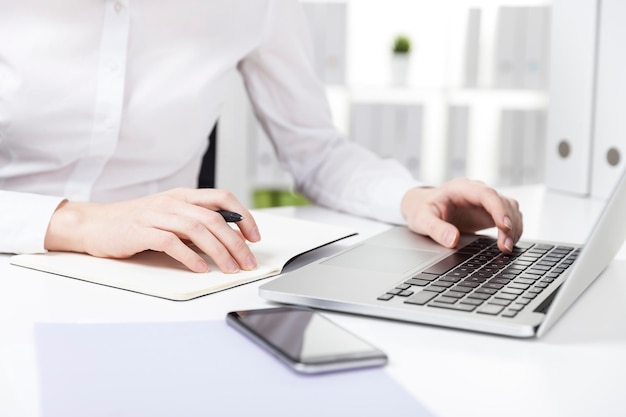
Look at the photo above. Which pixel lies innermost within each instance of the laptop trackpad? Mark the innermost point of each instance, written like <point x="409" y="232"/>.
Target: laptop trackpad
<point x="382" y="259"/>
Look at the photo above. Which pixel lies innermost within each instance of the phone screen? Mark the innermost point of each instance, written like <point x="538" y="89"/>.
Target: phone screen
<point x="305" y="339"/>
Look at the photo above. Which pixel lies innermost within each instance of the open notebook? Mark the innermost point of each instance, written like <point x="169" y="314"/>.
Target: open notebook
<point x="156" y="274"/>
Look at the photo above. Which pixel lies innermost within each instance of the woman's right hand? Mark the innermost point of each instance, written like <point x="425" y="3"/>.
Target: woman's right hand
<point x="165" y="222"/>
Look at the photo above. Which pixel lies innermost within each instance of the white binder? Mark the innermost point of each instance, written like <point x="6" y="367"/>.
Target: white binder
<point x="536" y="53"/>
<point x="457" y="135"/>
<point x="508" y="72"/>
<point x="609" y="148"/>
<point x="572" y="74"/>
<point x="327" y="23"/>
<point x="471" y="49"/>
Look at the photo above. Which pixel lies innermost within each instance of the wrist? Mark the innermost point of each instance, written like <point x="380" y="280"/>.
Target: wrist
<point x="64" y="229"/>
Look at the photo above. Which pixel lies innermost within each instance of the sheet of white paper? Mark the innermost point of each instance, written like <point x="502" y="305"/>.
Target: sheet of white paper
<point x="194" y="369"/>
<point x="155" y="273"/>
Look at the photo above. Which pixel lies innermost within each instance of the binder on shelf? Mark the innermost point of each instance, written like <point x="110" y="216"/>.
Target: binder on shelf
<point x="405" y="128"/>
<point x="414" y="122"/>
<point x="536" y="48"/>
<point x="472" y="47"/>
<point x="509" y="53"/>
<point x="609" y="146"/>
<point x="522" y="144"/>
<point x="510" y="147"/>
<point x="391" y="130"/>
<point x="571" y="91"/>
<point x="387" y="139"/>
<point x="327" y="22"/>
<point x="534" y="152"/>
<point x="458" y="126"/>
<point x="364" y="124"/>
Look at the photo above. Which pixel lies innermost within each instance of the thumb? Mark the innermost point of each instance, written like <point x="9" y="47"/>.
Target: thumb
<point x="439" y="230"/>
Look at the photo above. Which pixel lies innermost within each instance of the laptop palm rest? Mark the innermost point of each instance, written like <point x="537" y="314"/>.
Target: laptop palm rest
<point x="381" y="259"/>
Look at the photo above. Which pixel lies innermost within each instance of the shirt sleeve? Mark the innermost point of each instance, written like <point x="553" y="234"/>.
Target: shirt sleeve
<point x="290" y="102"/>
<point x="24" y="222"/>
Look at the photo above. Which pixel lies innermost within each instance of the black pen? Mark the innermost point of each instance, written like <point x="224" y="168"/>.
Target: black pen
<point x="230" y="216"/>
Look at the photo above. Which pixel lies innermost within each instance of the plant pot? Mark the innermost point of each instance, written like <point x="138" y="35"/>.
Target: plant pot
<point x="399" y="69"/>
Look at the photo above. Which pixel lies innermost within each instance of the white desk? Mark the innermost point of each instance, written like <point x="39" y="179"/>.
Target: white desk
<point x="579" y="369"/>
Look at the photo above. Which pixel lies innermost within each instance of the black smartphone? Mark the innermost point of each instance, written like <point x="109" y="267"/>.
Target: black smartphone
<point x="305" y="340"/>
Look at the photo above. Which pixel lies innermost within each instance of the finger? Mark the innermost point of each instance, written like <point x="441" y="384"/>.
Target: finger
<point x="208" y="232"/>
<point x="248" y="226"/>
<point x="169" y="243"/>
<point x="513" y="227"/>
<point x="221" y="199"/>
<point x="220" y="234"/>
<point x="505" y="242"/>
<point x="505" y="214"/>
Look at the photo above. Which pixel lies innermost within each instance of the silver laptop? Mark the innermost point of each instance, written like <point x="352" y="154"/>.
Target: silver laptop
<point x="401" y="275"/>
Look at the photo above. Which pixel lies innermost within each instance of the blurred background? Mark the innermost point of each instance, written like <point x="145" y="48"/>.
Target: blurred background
<point x="450" y="88"/>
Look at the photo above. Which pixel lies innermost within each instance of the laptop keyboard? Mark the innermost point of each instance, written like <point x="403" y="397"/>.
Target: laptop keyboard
<point x="479" y="278"/>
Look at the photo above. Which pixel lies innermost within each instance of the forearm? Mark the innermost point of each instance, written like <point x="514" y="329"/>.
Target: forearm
<point x="359" y="182"/>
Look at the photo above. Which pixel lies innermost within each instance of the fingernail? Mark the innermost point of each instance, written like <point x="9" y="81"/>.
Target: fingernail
<point x="250" y="262"/>
<point x="508" y="243"/>
<point x="202" y="266"/>
<point x="232" y="266"/>
<point x="448" y="238"/>
<point x="507" y="222"/>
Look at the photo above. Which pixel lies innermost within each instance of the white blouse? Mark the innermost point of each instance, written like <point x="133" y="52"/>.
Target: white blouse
<point x="114" y="99"/>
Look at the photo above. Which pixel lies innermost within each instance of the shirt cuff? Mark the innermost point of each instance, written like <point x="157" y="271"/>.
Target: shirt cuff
<point x="25" y="220"/>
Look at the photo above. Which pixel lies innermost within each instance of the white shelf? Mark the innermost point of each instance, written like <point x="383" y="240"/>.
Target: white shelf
<point x="439" y="80"/>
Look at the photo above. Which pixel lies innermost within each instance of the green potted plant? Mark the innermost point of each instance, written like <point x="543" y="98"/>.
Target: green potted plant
<point x="401" y="44"/>
<point x="401" y="51"/>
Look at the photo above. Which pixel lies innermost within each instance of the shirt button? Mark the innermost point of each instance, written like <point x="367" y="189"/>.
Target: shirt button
<point x="118" y="7"/>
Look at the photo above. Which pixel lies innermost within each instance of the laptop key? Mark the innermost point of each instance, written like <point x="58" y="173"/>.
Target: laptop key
<point x="493" y="286"/>
<point x="458" y="307"/>
<point x="421" y="297"/>
<point x="513" y="291"/>
<point x="472" y="301"/>
<point x="490" y="309"/>
<point x="489" y="291"/>
<point x="499" y="280"/>
<point x="445" y="284"/>
<point x="417" y="282"/>
<point x="506" y="296"/>
<point x="425" y="277"/>
<point x="469" y="284"/>
<point x="480" y="296"/>
<point x="385" y="297"/>
<point x="436" y="289"/>
<point x="460" y="288"/>
<point x="455" y="294"/>
<point x="445" y="299"/>
<point x="500" y="302"/>
<point x="448" y="263"/>
<point x="509" y="313"/>
<point x="523" y="245"/>
<point x="450" y="278"/>
<point x="518" y="286"/>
